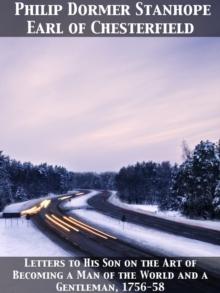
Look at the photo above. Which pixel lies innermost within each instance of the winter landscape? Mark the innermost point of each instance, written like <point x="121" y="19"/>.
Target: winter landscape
<point x="185" y="196"/>
<point x="107" y="151"/>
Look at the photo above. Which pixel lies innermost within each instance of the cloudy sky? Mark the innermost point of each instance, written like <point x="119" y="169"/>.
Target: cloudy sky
<point x="99" y="104"/>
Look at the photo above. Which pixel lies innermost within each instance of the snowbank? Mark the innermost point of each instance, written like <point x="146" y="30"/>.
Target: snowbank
<point x="20" y="206"/>
<point x="20" y="237"/>
<point x="154" y="240"/>
<point x="164" y="243"/>
<point x="153" y="210"/>
<point x="78" y="202"/>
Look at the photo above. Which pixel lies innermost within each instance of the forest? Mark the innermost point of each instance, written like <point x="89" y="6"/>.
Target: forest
<point x="192" y="187"/>
<point x="24" y="181"/>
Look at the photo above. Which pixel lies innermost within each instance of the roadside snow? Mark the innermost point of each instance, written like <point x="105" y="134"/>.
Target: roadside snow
<point x="19" y="206"/>
<point x="167" y="244"/>
<point x="20" y="237"/>
<point x="153" y="210"/>
<point x="79" y="202"/>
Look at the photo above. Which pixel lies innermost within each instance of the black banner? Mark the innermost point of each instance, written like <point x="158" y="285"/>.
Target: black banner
<point x="25" y="275"/>
<point x="105" y="18"/>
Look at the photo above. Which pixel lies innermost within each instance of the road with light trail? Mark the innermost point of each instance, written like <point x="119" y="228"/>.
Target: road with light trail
<point x="101" y="204"/>
<point x="91" y="241"/>
<point x="88" y="239"/>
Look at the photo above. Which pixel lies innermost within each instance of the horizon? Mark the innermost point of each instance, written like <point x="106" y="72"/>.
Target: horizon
<point x="104" y="171"/>
<point x="94" y="104"/>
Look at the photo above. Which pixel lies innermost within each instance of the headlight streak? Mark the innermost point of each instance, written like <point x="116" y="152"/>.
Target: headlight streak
<point x="64" y="223"/>
<point x="36" y="209"/>
<point x="90" y="227"/>
<point x="32" y="211"/>
<point x="65" y="197"/>
<point x="79" y="193"/>
<point x="45" y="203"/>
<point x="85" y="228"/>
<point x="57" y="223"/>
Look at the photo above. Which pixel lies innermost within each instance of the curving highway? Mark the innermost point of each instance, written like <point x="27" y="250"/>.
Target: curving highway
<point x="101" y="204"/>
<point x="87" y="240"/>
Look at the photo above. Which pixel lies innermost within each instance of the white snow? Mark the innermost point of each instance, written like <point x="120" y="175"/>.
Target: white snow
<point x="19" y="206"/>
<point x="167" y="244"/>
<point x="79" y="202"/>
<point x="153" y="210"/>
<point x="20" y="237"/>
<point x="154" y="240"/>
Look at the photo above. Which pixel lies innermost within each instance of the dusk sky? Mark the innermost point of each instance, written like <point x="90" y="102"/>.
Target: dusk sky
<point x="100" y="104"/>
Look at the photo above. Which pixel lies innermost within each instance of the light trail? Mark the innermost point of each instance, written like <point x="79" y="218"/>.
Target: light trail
<point x="57" y="223"/>
<point x="36" y="209"/>
<point x="32" y="211"/>
<point x="85" y="228"/>
<point x="79" y="193"/>
<point x="64" y="223"/>
<point x="90" y="227"/>
<point x="45" y="203"/>
<point x="65" y="197"/>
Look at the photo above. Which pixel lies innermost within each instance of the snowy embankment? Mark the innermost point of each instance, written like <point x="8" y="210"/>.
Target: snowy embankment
<point x="153" y="210"/>
<point x="79" y="202"/>
<point x="20" y="237"/>
<point x="153" y="240"/>
<point x="20" y="206"/>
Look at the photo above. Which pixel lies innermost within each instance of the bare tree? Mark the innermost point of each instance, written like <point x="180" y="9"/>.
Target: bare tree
<point x="186" y="151"/>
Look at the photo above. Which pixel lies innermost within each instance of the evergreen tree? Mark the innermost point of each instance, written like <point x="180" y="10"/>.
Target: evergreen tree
<point x="5" y="183"/>
<point x="20" y="195"/>
<point x="196" y="181"/>
<point x="216" y="201"/>
<point x="146" y="182"/>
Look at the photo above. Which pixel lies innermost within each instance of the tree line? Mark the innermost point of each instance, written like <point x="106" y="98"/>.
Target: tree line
<point x="24" y="181"/>
<point x="192" y="188"/>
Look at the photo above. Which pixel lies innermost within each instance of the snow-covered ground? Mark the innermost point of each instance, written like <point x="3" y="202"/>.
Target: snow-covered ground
<point x="153" y="210"/>
<point x="165" y="243"/>
<point x="154" y="240"/>
<point x="20" y="237"/>
<point x="79" y="202"/>
<point x="20" y="206"/>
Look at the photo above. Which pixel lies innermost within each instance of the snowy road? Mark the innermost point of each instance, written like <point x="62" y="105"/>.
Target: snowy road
<point x="102" y="205"/>
<point x="95" y="234"/>
<point x="96" y="229"/>
<point x="80" y="229"/>
<point x="80" y="234"/>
